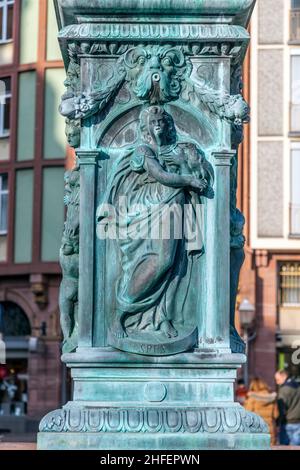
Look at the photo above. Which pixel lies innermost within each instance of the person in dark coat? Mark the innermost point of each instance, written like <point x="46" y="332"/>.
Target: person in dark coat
<point x="289" y="408"/>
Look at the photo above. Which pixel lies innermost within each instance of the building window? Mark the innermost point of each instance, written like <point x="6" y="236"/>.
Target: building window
<point x="289" y="302"/>
<point x="3" y="215"/>
<point x="13" y="320"/>
<point x="6" y="20"/>
<point x="5" y="103"/>
<point x="295" y="22"/>
<point x="295" y="191"/>
<point x="295" y="94"/>
<point x="3" y="203"/>
<point x="290" y="284"/>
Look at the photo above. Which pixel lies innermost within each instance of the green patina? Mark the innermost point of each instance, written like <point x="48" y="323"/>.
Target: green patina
<point x="153" y="107"/>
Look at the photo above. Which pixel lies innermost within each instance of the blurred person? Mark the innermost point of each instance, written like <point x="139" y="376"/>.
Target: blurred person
<point x="262" y="401"/>
<point x="289" y="408"/>
<point x="241" y="391"/>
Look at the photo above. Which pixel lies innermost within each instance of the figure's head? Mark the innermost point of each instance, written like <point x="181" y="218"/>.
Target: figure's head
<point x="237" y="110"/>
<point x="73" y="132"/>
<point x="240" y="383"/>
<point x="72" y="82"/>
<point x="157" y="126"/>
<point x="281" y="376"/>
<point x="258" y="385"/>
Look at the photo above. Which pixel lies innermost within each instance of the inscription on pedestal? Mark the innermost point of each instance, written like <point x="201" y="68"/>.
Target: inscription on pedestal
<point x="153" y="344"/>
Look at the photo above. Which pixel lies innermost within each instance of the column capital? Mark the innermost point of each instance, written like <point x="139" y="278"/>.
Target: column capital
<point x="223" y="157"/>
<point x="88" y="157"/>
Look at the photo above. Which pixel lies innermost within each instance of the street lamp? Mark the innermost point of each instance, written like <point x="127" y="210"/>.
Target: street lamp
<point x="247" y="315"/>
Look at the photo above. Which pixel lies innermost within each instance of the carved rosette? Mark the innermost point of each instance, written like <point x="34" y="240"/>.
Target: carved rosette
<point x="164" y="420"/>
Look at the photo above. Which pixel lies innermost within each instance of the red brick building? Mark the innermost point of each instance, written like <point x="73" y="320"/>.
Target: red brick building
<point x="32" y="161"/>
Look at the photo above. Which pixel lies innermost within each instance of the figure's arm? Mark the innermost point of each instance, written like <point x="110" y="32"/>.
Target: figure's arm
<point x="173" y="180"/>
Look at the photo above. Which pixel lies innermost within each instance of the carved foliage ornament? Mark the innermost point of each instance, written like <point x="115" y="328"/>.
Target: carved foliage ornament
<point x="77" y="105"/>
<point x="231" y="108"/>
<point x="156" y="75"/>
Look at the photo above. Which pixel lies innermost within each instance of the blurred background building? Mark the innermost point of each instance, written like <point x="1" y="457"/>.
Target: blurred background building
<point x="32" y="160"/>
<point x="270" y="188"/>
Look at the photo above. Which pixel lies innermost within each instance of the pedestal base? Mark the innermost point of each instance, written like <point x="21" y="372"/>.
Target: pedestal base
<point x="155" y="428"/>
<point x="183" y="402"/>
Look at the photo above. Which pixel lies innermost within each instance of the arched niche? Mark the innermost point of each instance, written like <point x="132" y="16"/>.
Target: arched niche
<point x="122" y="131"/>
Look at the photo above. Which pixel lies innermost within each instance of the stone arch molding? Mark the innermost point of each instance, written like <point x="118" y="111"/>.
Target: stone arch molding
<point x="200" y="129"/>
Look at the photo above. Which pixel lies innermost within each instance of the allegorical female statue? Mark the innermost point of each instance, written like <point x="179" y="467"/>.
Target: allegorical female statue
<point x="159" y="183"/>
